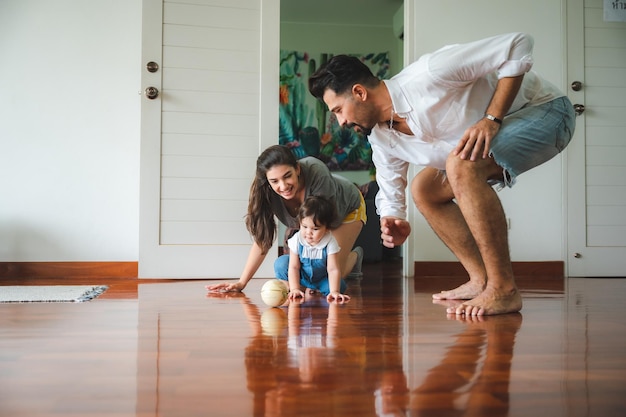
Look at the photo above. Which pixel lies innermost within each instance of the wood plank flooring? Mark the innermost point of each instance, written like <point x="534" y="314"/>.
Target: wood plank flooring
<point x="166" y="348"/>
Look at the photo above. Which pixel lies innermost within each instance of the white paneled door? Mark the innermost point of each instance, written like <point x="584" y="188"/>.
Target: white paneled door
<point x="209" y="106"/>
<point x="596" y="158"/>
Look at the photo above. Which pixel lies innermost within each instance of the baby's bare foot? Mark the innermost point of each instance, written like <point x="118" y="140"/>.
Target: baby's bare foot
<point x="466" y="291"/>
<point x="490" y="302"/>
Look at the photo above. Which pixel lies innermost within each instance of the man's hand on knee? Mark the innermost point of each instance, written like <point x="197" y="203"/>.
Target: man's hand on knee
<point x="394" y="231"/>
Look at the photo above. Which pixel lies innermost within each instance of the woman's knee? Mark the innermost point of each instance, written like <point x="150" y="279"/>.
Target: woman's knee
<point x="281" y="267"/>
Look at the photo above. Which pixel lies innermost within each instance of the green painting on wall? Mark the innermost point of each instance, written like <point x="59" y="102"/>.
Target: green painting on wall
<point x="306" y="125"/>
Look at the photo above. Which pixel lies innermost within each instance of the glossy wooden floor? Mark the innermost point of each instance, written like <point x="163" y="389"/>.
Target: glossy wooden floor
<point x="166" y="349"/>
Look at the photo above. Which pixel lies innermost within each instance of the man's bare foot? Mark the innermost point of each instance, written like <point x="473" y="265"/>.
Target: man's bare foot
<point x="467" y="291"/>
<point x="490" y="302"/>
<point x="447" y="303"/>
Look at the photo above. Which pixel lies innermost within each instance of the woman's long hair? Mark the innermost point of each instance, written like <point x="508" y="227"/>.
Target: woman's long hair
<point x="260" y="218"/>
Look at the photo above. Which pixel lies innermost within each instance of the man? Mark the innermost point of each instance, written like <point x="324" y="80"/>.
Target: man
<point x="474" y="115"/>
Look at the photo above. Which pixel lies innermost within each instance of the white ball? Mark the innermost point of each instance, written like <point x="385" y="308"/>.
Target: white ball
<point x="274" y="292"/>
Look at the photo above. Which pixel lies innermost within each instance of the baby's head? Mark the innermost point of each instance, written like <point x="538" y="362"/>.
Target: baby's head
<point x="321" y="211"/>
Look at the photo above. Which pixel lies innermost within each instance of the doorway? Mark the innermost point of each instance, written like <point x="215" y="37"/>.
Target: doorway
<point x="310" y="34"/>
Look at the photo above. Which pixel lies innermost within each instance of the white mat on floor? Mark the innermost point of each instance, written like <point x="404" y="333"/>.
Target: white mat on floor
<point x="50" y="293"/>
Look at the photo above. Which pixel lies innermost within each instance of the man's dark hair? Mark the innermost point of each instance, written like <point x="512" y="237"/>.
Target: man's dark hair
<point x="339" y="74"/>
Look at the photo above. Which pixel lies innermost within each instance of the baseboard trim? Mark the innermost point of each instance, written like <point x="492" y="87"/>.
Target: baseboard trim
<point x="131" y="269"/>
<point x="543" y="268"/>
<point x="69" y="269"/>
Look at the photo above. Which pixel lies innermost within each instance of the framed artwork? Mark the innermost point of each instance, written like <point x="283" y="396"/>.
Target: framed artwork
<point x="306" y="125"/>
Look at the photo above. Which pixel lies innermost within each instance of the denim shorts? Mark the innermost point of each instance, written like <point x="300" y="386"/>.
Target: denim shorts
<point x="531" y="136"/>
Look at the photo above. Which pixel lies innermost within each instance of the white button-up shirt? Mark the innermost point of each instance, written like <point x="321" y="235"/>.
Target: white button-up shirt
<point x="440" y="96"/>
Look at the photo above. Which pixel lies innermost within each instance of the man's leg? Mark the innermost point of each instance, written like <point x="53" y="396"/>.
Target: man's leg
<point x="528" y="132"/>
<point x="433" y="197"/>
<point x="482" y="210"/>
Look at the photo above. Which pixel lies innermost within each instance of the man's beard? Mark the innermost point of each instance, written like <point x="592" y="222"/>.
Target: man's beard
<point x="365" y="130"/>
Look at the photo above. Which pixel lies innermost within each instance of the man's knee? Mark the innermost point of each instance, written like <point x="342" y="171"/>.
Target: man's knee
<point x="418" y="192"/>
<point x="429" y="187"/>
<point x="460" y="170"/>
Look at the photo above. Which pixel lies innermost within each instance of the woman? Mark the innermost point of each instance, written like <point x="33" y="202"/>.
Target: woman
<point x="281" y="185"/>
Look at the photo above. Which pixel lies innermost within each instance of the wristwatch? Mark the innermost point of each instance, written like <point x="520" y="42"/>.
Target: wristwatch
<point x="493" y="118"/>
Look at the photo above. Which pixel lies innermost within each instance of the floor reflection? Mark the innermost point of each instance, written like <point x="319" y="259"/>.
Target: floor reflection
<point x="390" y="351"/>
<point x="315" y="356"/>
<point x="473" y="377"/>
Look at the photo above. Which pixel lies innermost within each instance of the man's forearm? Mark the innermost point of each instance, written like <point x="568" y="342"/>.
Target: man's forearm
<point x="503" y="97"/>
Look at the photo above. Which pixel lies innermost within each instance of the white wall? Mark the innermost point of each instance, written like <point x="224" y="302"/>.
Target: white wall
<point x="69" y="130"/>
<point x="535" y="203"/>
<point x="317" y="38"/>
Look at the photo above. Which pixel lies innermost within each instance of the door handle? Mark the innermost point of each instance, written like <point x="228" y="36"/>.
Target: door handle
<point x="152" y="93"/>
<point x="579" y="109"/>
<point x="152" y="66"/>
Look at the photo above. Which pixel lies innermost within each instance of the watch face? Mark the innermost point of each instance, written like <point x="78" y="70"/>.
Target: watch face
<point x="493" y="118"/>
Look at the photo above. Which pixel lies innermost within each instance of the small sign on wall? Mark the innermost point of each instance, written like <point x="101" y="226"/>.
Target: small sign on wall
<point x="615" y="10"/>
